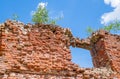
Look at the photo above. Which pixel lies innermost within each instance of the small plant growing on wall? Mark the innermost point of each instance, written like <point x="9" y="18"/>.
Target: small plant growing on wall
<point x="112" y="27"/>
<point x="89" y="30"/>
<point x="41" y="15"/>
<point x="15" y="17"/>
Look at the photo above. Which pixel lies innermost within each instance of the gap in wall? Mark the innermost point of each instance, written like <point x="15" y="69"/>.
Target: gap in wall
<point x="81" y="57"/>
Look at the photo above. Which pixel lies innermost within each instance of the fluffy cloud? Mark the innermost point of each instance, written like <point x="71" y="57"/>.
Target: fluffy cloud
<point x="42" y="4"/>
<point x="111" y="16"/>
<point x="113" y="3"/>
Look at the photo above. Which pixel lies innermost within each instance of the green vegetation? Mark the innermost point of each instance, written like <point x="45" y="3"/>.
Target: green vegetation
<point x="41" y="15"/>
<point x="53" y="21"/>
<point x="15" y="17"/>
<point x="89" y="30"/>
<point x="112" y="27"/>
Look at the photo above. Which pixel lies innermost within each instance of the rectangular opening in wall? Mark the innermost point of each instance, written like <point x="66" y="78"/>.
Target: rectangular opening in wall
<point x="81" y="57"/>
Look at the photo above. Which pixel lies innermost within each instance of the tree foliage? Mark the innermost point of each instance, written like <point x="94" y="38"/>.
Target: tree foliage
<point x="40" y="16"/>
<point x="114" y="26"/>
<point x="111" y="27"/>
<point x="89" y="30"/>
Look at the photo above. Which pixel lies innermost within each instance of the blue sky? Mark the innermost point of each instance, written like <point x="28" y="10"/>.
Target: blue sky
<point x="78" y="14"/>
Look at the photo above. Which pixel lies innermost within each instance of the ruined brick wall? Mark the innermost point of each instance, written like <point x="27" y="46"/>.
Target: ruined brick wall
<point x="42" y="52"/>
<point x="39" y="48"/>
<point x="106" y="50"/>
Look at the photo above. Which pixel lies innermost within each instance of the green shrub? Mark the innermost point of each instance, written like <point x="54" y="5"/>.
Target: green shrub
<point x="114" y="26"/>
<point x="41" y="14"/>
<point x="111" y="27"/>
<point x="15" y="17"/>
<point x="89" y="30"/>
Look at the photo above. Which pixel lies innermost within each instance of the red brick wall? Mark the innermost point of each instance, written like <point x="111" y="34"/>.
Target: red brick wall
<point x="40" y="48"/>
<point x="42" y="52"/>
<point x="106" y="51"/>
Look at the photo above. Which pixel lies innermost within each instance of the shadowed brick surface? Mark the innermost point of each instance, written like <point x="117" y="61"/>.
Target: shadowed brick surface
<point x="106" y="50"/>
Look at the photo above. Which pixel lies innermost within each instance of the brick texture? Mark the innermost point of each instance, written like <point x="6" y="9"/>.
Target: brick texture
<point x="106" y="50"/>
<point x="41" y="51"/>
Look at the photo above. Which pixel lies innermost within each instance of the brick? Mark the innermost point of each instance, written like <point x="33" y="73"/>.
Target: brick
<point x="43" y="53"/>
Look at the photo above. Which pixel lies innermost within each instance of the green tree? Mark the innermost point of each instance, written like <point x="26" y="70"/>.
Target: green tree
<point x="41" y="14"/>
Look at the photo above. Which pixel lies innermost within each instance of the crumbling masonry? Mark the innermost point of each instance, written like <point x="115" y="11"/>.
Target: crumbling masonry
<point x="38" y="51"/>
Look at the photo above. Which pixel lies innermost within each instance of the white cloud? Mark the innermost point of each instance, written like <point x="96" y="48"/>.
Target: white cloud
<point x="42" y="4"/>
<point x="113" y="3"/>
<point x="56" y="15"/>
<point x="113" y="15"/>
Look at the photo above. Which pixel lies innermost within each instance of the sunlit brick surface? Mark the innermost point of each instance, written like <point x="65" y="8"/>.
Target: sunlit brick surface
<point x="39" y="51"/>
